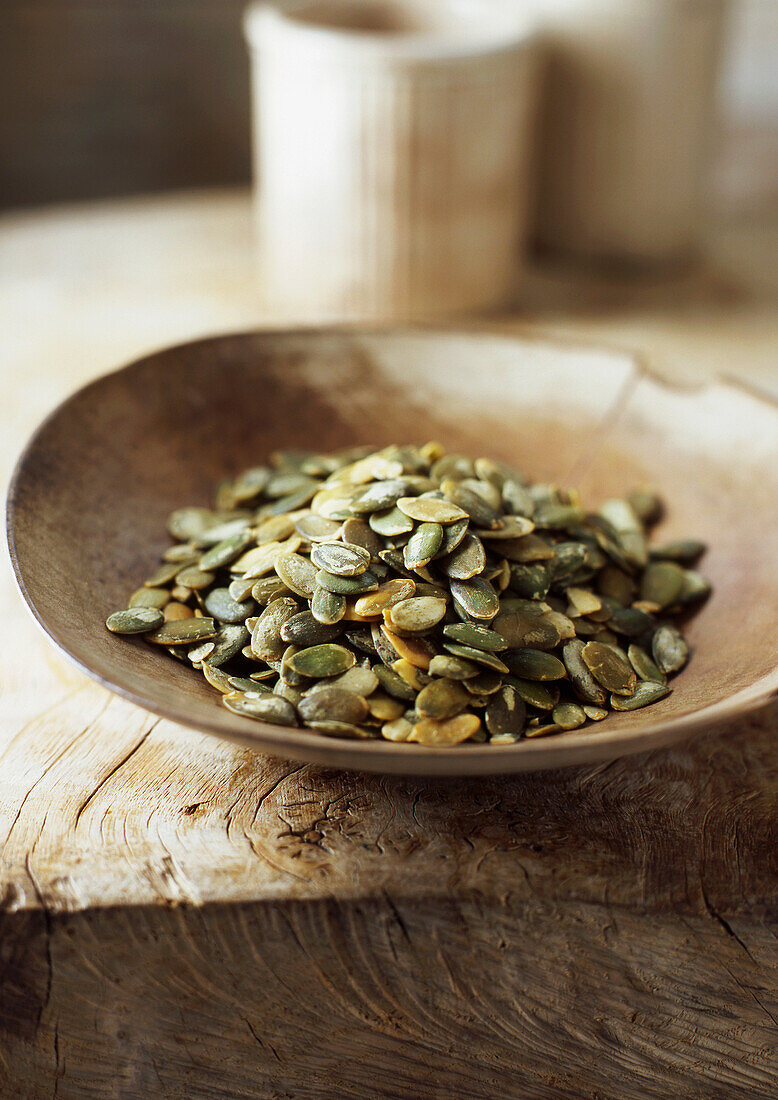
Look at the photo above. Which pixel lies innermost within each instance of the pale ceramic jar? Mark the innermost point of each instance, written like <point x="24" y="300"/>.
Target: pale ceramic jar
<point x="392" y="141"/>
<point x="628" y="98"/>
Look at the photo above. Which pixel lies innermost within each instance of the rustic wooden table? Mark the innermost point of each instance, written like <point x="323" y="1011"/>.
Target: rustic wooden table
<point x="181" y="918"/>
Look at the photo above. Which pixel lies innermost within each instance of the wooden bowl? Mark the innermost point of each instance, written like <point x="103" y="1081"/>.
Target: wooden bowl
<point x="88" y="502"/>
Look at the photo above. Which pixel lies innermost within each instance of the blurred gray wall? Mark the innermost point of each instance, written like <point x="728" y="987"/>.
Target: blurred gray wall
<point x="104" y="97"/>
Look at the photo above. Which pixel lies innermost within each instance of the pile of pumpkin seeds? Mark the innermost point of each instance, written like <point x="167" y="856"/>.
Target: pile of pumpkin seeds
<point x="414" y="595"/>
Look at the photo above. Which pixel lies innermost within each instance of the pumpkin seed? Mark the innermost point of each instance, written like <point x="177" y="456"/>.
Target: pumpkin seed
<point x="477" y="656"/>
<point x="513" y="527"/>
<point x="430" y="510"/>
<point x="595" y="713"/>
<point x="333" y="704"/>
<point x="267" y="589"/>
<point x="183" y="631"/>
<point x="362" y="681"/>
<point x="522" y="631"/>
<point x="418" y="613"/>
<point x="297" y="573"/>
<point x="386" y="595"/>
<point x="390" y="523"/>
<point x="644" y="666"/>
<point x="304" y="629"/>
<point x="534" y="664"/>
<point x="670" y="649"/>
<point x="321" y="661"/>
<point x="472" y="504"/>
<point x="398" y="730"/>
<point x="266" y="708"/>
<point x="225" y="551"/>
<point x="477" y="597"/>
<point x="422" y="546"/>
<point x="478" y="637"/>
<point x="468" y="560"/>
<point x="506" y="713"/>
<point x="189" y="523"/>
<point x="135" y="620"/>
<point x="685" y="551"/>
<point x="384" y="708"/>
<point x="175" y="610"/>
<point x="662" y="583"/>
<point x="442" y="699"/>
<point x="645" y="693"/>
<point x="327" y="607"/>
<point x="149" y="597"/>
<point x="346" y="586"/>
<point x="531" y="582"/>
<point x="445" y="731"/>
<point x="229" y="641"/>
<point x="394" y="684"/>
<point x="220" y="605"/>
<point x="315" y="528"/>
<point x="452" y="668"/>
<point x="609" y="668"/>
<point x="266" y="641"/>
<point x="584" y="684"/>
<point x="339" y="558"/>
<point x="568" y="716"/>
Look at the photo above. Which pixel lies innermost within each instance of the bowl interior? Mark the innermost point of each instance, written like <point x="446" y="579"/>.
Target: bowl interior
<point x="92" y="492"/>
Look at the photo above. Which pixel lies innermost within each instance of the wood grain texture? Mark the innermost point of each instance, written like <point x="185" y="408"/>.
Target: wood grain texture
<point x="183" y="918"/>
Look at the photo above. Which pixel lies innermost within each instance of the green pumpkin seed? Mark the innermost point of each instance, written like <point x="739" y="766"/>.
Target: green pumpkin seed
<point x="584" y="684"/>
<point x="327" y="607"/>
<point x="220" y="605"/>
<point x="240" y="589"/>
<point x="512" y="527"/>
<point x="695" y="587"/>
<point x="297" y="573"/>
<point x="477" y="656"/>
<point x="229" y="641"/>
<point x="216" y="678"/>
<point x="357" y="532"/>
<point x="320" y="661"/>
<point x="644" y="666"/>
<point x="506" y="713"/>
<point x="149" y="597"/>
<point x="670" y="649"/>
<point x="430" y="510"/>
<point x="267" y="589"/>
<point x="662" y="583"/>
<point x="390" y="523"/>
<point x="452" y="668"/>
<point x="609" y="668"/>
<point x="135" y="620"/>
<point x="568" y="716"/>
<point x="595" y="713"/>
<point x="362" y="681"/>
<point x="481" y="513"/>
<point x="315" y="528"/>
<point x="531" y="581"/>
<point x="183" y="632"/>
<point x="478" y="637"/>
<point x="265" y="708"/>
<point x="340" y="558"/>
<point x="333" y="704"/>
<point x="422" y="546"/>
<point x="684" y="551"/>
<point x="419" y="613"/>
<point x="442" y="699"/>
<point x="467" y="561"/>
<point x="453" y="534"/>
<point x="225" y="552"/>
<point x="542" y="696"/>
<point x="522" y="631"/>
<point x="477" y="597"/>
<point x="534" y="664"/>
<point x="645" y="693"/>
<point x="379" y="496"/>
<point x="346" y="586"/>
<point x="304" y="629"/>
<point x="631" y="622"/>
<point x="266" y="640"/>
<point x="394" y="684"/>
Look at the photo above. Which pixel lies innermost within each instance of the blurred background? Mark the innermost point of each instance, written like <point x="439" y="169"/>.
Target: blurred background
<point x="117" y="97"/>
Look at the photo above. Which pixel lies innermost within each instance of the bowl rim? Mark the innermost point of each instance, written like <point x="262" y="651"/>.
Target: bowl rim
<point x="385" y="756"/>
